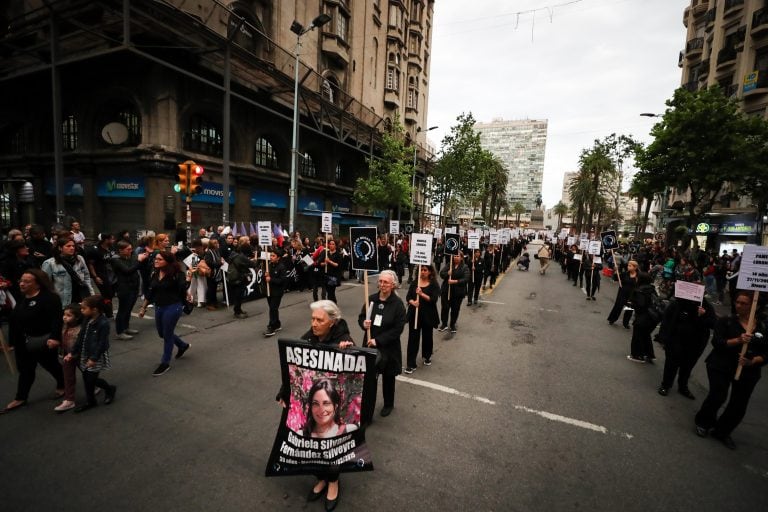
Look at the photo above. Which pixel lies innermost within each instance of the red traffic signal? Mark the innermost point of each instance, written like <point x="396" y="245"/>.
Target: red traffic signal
<point x="196" y="179"/>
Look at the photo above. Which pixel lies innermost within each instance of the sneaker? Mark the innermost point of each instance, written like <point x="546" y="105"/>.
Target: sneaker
<point x="64" y="406"/>
<point x="241" y="315"/>
<point x="453" y="330"/>
<point x="726" y="440"/>
<point x="663" y="391"/>
<point x="277" y="329"/>
<point x="132" y="332"/>
<point x="386" y="411"/>
<point x="636" y="359"/>
<point x="84" y="407"/>
<point x="161" y="369"/>
<point x="427" y="362"/>
<point x="180" y="352"/>
<point x="442" y="328"/>
<point x="687" y="393"/>
<point x="269" y="332"/>
<point x="123" y="336"/>
<point x="109" y="396"/>
<point x="408" y="370"/>
<point x="702" y="431"/>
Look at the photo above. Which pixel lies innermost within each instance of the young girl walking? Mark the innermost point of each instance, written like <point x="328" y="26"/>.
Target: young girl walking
<point x="69" y="333"/>
<point x="92" y="347"/>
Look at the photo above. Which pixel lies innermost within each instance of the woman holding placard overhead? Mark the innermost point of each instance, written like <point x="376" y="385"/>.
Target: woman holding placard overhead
<point x="383" y="319"/>
<point x="422" y="316"/>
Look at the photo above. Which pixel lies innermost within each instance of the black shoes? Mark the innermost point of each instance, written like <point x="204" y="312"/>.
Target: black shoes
<point x="702" y="431"/>
<point x="386" y="411"/>
<point x="428" y="362"/>
<point x="726" y="440"/>
<point x="84" y="407"/>
<point x="109" y="396"/>
<point x="453" y="330"/>
<point x="269" y="332"/>
<point x="314" y="496"/>
<point x="332" y="504"/>
<point x="408" y="370"/>
<point x="161" y="369"/>
<point x="442" y="328"/>
<point x="180" y="352"/>
<point x="686" y="393"/>
<point x="663" y="391"/>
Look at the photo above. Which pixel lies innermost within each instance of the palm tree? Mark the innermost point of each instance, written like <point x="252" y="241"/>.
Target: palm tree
<point x="560" y="209"/>
<point x="518" y="209"/>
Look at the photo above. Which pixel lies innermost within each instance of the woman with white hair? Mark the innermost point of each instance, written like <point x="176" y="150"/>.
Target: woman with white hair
<point x="384" y="318"/>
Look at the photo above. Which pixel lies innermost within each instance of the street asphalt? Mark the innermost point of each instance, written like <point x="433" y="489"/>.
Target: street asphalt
<point x="531" y="406"/>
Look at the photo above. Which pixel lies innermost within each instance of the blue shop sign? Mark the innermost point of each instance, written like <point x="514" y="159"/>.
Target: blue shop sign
<point x="268" y="199"/>
<point x="121" y="187"/>
<point x="213" y="193"/>
<point x="311" y="203"/>
<point x="73" y="187"/>
<point x="341" y="205"/>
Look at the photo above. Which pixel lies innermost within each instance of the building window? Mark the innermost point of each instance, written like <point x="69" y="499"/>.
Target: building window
<point x="265" y="154"/>
<point x="5" y="205"/>
<point x="307" y="166"/>
<point x="69" y="133"/>
<point x="393" y="74"/>
<point x="413" y="93"/>
<point x="342" y="24"/>
<point x="375" y="62"/>
<point x="131" y="119"/>
<point x="203" y="136"/>
<point x="13" y="140"/>
<point x="338" y="175"/>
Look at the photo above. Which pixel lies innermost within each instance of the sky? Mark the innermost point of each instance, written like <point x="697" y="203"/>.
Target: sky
<point x="589" y="67"/>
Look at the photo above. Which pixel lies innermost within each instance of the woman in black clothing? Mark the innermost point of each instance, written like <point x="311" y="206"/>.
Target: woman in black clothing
<point x="641" y="348"/>
<point x="628" y="283"/>
<point x="35" y="334"/>
<point x="167" y="291"/>
<point x="330" y="261"/>
<point x="477" y="270"/>
<point x="385" y="320"/>
<point x="241" y="261"/>
<point x="422" y="304"/>
<point x="722" y="362"/>
<point x="213" y="259"/>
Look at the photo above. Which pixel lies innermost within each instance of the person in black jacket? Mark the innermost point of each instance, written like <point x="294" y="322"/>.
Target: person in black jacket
<point x="167" y="290"/>
<point x="384" y="319"/>
<point x="454" y="279"/>
<point x="641" y="348"/>
<point x="126" y="268"/>
<point x="330" y="262"/>
<point x="478" y="274"/>
<point x="276" y="278"/>
<point x="729" y="337"/>
<point x="422" y="305"/>
<point x="492" y="263"/>
<point x="35" y="334"/>
<point x="628" y="283"/>
<point x="241" y="261"/>
<point x="684" y="332"/>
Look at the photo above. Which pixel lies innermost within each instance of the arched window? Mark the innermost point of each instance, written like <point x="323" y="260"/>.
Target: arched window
<point x="265" y="154"/>
<point x="413" y="93"/>
<point x="125" y="114"/>
<point x="69" y="133"/>
<point x="330" y="88"/>
<point x="307" y="166"/>
<point x="203" y="136"/>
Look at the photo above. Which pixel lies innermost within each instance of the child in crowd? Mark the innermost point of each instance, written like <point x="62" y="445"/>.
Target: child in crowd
<point x="92" y="348"/>
<point x="69" y="333"/>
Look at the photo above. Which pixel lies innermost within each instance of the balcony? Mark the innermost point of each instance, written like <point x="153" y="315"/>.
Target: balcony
<point x="755" y="83"/>
<point x="694" y="47"/>
<point x="391" y="98"/>
<point x="709" y="19"/>
<point x="759" y="22"/>
<point x="726" y="57"/>
<point x="732" y="7"/>
<point x="701" y="8"/>
<point x="335" y="49"/>
<point x="411" y="115"/>
<point x="691" y="86"/>
<point x="704" y="69"/>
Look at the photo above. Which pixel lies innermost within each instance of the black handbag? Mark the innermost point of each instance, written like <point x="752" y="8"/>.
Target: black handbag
<point x="37" y="343"/>
<point x="188" y="307"/>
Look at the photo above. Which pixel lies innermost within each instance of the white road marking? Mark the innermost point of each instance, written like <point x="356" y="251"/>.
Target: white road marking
<point x="492" y="302"/>
<point x="544" y="414"/>
<point x="549" y="310"/>
<point x="445" y="389"/>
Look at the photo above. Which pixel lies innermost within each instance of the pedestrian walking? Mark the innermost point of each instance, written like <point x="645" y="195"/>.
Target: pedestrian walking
<point x="277" y="280"/>
<point x="68" y="272"/>
<point x="422" y="316"/>
<point x="126" y="267"/>
<point x="628" y="283"/>
<point x="452" y="292"/>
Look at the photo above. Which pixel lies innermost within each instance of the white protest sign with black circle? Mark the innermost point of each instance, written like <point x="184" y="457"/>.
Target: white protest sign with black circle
<point x="394" y="227"/>
<point x="610" y="240"/>
<point x="363" y="244"/>
<point x="594" y="247"/>
<point x="327" y="223"/>
<point x="408" y="228"/>
<point x="421" y="249"/>
<point x="265" y="233"/>
<point x="452" y="244"/>
<point x="753" y="273"/>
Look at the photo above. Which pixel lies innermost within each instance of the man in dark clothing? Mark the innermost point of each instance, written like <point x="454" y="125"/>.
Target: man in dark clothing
<point x="99" y="265"/>
<point x="126" y="268"/>
<point x="17" y="262"/>
<point x="276" y="278"/>
<point x="452" y="292"/>
<point x="40" y="248"/>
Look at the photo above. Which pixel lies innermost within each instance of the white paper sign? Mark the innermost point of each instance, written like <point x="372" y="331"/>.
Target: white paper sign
<point x="597" y="260"/>
<point x="438" y="232"/>
<point x="265" y="233"/>
<point x="327" y="223"/>
<point x="421" y="249"/>
<point x="594" y="247"/>
<point x="571" y="240"/>
<point x="308" y="260"/>
<point x="753" y="273"/>
<point x="264" y="256"/>
<point x="494" y="237"/>
<point x="583" y="245"/>
<point x="462" y="232"/>
<point x="394" y="227"/>
<point x="584" y="236"/>
<point x="473" y="240"/>
<point x="450" y="229"/>
<point x="689" y="291"/>
<point x="504" y="237"/>
<point x="577" y="257"/>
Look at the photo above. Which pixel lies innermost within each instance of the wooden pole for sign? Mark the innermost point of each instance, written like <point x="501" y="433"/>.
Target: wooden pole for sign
<point x="616" y="267"/>
<point x="266" y="272"/>
<point x="751" y="330"/>
<point x="226" y="292"/>
<point x="365" y="301"/>
<point x="592" y="278"/>
<point x="6" y="350"/>
<point x="326" y="253"/>
<point x="450" y="275"/>
<point x="418" y="300"/>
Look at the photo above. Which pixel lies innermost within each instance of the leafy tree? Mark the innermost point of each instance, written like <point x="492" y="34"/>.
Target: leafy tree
<point x="703" y="142"/>
<point x="560" y="209"/>
<point x="518" y="209"/>
<point x="388" y="184"/>
<point x="594" y="181"/>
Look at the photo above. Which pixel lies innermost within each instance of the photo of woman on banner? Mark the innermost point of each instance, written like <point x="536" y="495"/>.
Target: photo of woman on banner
<point x="323" y="411"/>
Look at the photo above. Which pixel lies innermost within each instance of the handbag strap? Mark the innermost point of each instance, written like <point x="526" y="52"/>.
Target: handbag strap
<point x="72" y="274"/>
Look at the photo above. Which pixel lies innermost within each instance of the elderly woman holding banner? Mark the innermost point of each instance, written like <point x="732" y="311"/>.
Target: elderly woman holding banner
<point x="731" y="334"/>
<point x="383" y="319"/>
<point x="422" y="316"/>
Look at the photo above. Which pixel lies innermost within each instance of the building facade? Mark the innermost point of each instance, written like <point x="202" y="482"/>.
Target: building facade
<point x="100" y="100"/>
<point x="520" y="145"/>
<point x="727" y="45"/>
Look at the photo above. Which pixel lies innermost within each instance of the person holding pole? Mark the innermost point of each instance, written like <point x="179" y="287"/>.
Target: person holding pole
<point x="331" y="260"/>
<point x="422" y="316"/>
<point x="628" y="283"/>
<point x="455" y="276"/>
<point x="277" y="279"/>
<point x="478" y="274"/>
<point x="731" y="334"/>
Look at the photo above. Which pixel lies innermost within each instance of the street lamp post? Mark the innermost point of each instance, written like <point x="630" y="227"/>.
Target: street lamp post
<point x="298" y="29"/>
<point x="413" y="179"/>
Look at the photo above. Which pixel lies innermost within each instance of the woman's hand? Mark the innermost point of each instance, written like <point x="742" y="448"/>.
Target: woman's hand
<point x="282" y="403"/>
<point x="268" y="278"/>
<point x="142" y="310"/>
<point x="52" y="343"/>
<point x="372" y="343"/>
<point x="744" y="338"/>
<point x="366" y="324"/>
<point x="345" y="344"/>
<point x="702" y="311"/>
<point x="90" y="363"/>
<point x="67" y="358"/>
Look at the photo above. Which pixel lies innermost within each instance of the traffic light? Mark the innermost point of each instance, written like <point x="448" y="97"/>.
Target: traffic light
<point x="182" y="179"/>
<point x="196" y="179"/>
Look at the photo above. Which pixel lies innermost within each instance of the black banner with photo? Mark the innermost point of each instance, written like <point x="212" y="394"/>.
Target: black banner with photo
<point x="452" y="244"/>
<point x="610" y="240"/>
<point x="332" y="394"/>
<point x="364" y="252"/>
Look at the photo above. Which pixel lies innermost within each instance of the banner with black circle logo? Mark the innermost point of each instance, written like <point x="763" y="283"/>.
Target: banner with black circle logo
<point x="363" y="244"/>
<point x="610" y="240"/>
<point x="452" y="245"/>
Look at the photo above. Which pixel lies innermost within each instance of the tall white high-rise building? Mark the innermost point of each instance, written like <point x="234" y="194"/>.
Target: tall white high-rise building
<point x="520" y="146"/>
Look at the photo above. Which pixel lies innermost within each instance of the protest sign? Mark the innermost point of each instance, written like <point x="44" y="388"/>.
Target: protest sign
<point x="327" y="223"/>
<point x="610" y="240"/>
<point x="753" y="273"/>
<point x="308" y="442"/>
<point x="473" y="240"/>
<point x="571" y="240"/>
<point x="408" y="228"/>
<point x="452" y="244"/>
<point x="438" y="232"/>
<point x="689" y="291"/>
<point x="493" y="237"/>
<point x="394" y="227"/>
<point x="594" y="247"/>
<point x="421" y="249"/>
<point x="363" y="245"/>
<point x="265" y="233"/>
